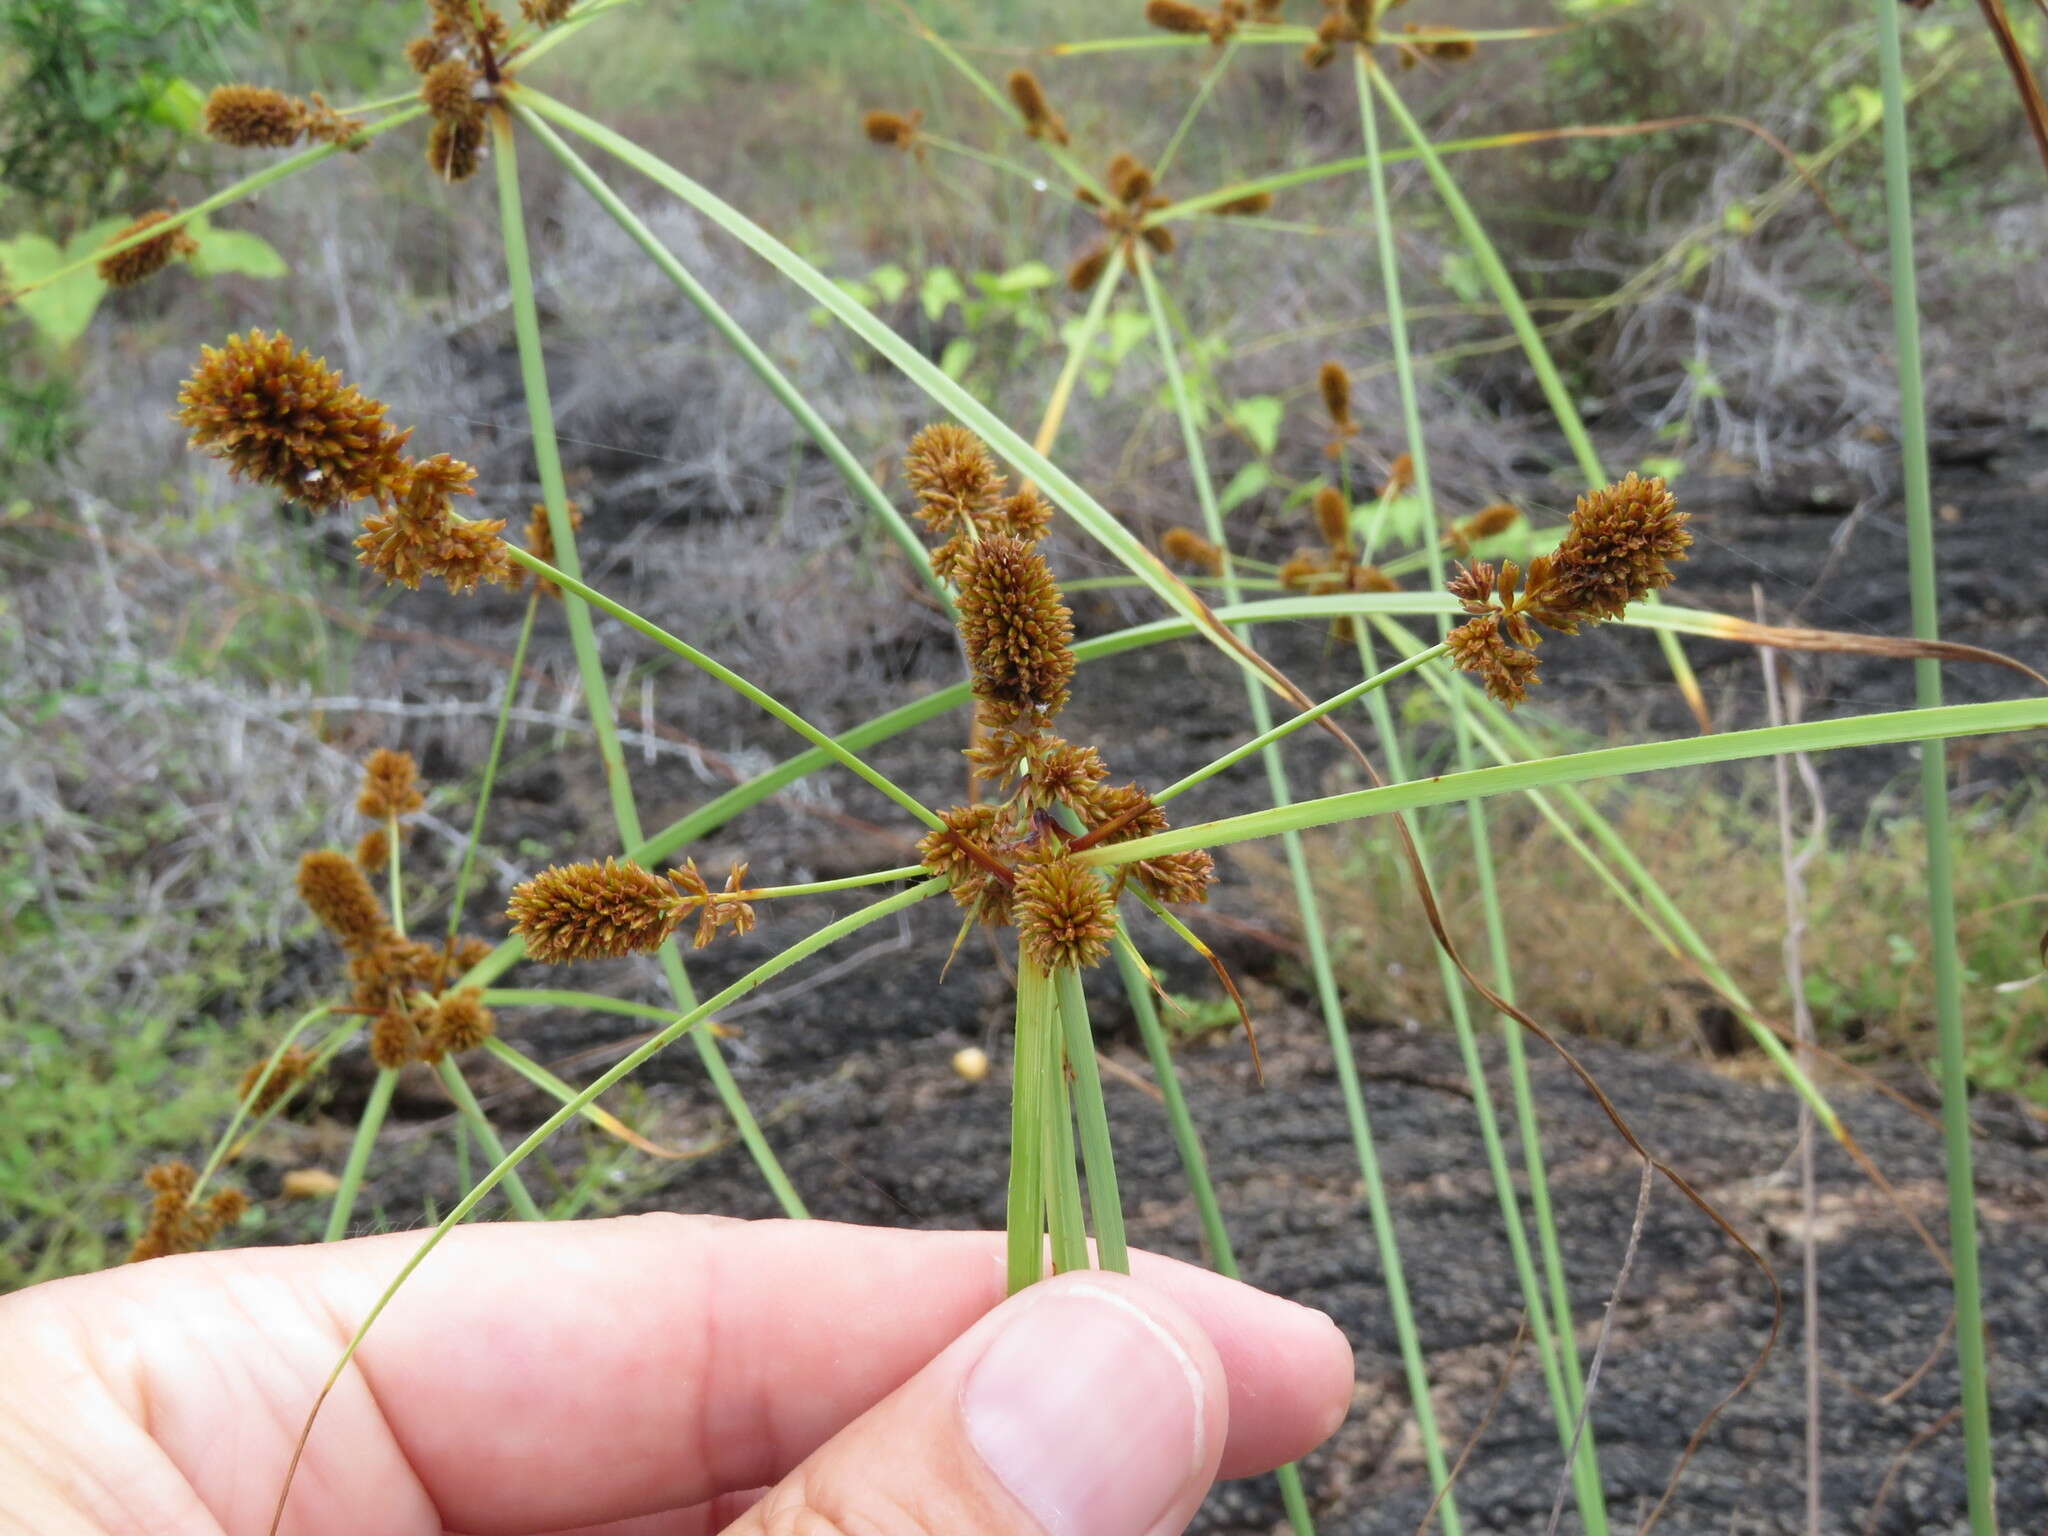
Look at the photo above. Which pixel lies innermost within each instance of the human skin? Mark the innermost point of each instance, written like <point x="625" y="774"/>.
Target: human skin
<point x="650" y="1376"/>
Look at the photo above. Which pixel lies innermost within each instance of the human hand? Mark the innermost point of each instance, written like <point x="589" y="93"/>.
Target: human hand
<point x="651" y="1376"/>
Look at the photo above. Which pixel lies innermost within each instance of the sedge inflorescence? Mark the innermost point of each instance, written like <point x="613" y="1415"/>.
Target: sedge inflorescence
<point x="278" y="415"/>
<point x="176" y="1224"/>
<point x="266" y="1082"/>
<point x="893" y="130"/>
<point x="258" y="117"/>
<point x="144" y="259"/>
<point x="1011" y="860"/>
<point x="1132" y="197"/>
<point x="1617" y="548"/>
<point x="1027" y="94"/>
<point x="604" y="911"/>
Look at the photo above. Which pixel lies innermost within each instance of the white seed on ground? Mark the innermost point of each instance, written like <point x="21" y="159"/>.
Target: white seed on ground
<point x="971" y="1062"/>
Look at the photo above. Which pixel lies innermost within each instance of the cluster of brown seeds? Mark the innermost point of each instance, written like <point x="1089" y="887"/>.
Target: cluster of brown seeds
<point x="1028" y="95"/>
<point x="1011" y="861"/>
<point x="458" y="61"/>
<point x="894" y="130"/>
<point x="1444" y="45"/>
<point x="1617" y="548"/>
<point x="145" y="258"/>
<point x="176" y="1225"/>
<point x="1133" y="197"/>
<point x="1217" y="25"/>
<point x="605" y="911"/>
<point x="280" y="416"/>
<point x="258" y="117"/>
<point x="540" y="542"/>
<point x="394" y="980"/>
<point x="260" y="1092"/>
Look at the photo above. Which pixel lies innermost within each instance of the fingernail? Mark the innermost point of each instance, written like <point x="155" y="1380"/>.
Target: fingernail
<point x="1089" y="1412"/>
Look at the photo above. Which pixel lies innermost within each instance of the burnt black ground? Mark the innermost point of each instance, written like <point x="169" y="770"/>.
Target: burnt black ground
<point x="853" y="1078"/>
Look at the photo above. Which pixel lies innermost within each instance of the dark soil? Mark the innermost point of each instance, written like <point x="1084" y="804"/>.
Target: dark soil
<point x="853" y="1076"/>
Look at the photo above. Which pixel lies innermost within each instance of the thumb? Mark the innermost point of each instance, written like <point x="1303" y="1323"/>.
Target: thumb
<point x="1088" y="1405"/>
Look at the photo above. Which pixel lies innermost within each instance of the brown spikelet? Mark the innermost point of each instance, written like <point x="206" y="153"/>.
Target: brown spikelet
<point x="1130" y="179"/>
<point x="1334" y="380"/>
<point x="1017" y="632"/>
<point x="1159" y="237"/>
<point x="1370" y="578"/>
<point x="471" y="952"/>
<point x="1400" y="476"/>
<point x="384" y="969"/>
<point x="1088" y="268"/>
<point x="950" y="855"/>
<point x="337" y="893"/>
<point x="1024" y="515"/>
<point x="1190" y="548"/>
<point x="1429" y="42"/>
<point x="455" y="147"/>
<point x="1177" y="16"/>
<point x="326" y="126"/>
<point x="715" y="909"/>
<point x="390" y="785"/>
<point x="449" y="91"/>
<point x="284" y="418"/>
<point x="424" y="52"/>
<point x="953" y="476"/>
<point x="1064" y="774"/>
<point x="1337" y="27"/>
<point x="1489" y="521"/>
<point x="1618" y="548"/>
<point x="1066" y="915"/>
<point x="545" y="13"/>
<point x="395" y="1038"/>
<point x="1478" y="646"/>
<point x="422" y="536"/>
<point x="595" y="911"/>
<point x="894" y="130"/>
<point x="1251" y="202"/>
<point x="459" y="1022"/>
<point x="540" y="542"/>
<point x="1300" y="574"/>
<point x="292" y="1067"/>
<point x="146" y="258"/>
<point x="1040" y="121"/>
<point x="253" y="117"/>
<point x="1333" y="517"/>
<point x="373" y="852"/>
<point x="1178" y="879"/>
<point x="174" y="1225"/>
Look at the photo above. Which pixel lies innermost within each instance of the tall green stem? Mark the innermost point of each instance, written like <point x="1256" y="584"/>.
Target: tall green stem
<point x="1256" y="701"/>
<point x="486" y="1134"/>
<point x="371" y="1121"/>
<point x="1553" y="1344"/>
<point x="583" y="636"/>
<point x="1098" y="1156"/>
<point x="1032" y="1038"/>
<point x="1941" y="897"/>
<point x="490" y="776"/>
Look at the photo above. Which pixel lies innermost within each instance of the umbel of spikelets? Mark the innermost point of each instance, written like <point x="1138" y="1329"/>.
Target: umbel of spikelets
<point x="146" y="258"/>
<point x="175" y="1224"/>
<point x="605" y="911"/>
<point x="1617" y="549"/>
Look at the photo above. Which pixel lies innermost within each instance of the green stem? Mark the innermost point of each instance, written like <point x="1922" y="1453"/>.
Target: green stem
<point x="1334" y="1022"/>
<point x="486" y="1134"/>
<point x="490" y="777"/>
<point x="778" y="384"/>
<point x="1941" y="900"/>
<point x="374" y="1109"/>
<point x="1026" y="1218"/>
<point x="583" y="636"/>
<point x="1063" y="1216"/>
<point x="754" y="694"/>
<point x="304" y="1022"/>
<point x="1562" y="407"/>
<point x="1092" y="1114"/>
<point x="1210" y="76"/>
<point x="1559" y="1364"/>
<point x="391" y="874"/>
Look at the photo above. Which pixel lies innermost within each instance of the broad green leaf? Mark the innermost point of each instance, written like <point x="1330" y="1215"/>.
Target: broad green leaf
<point x="62" y="310"/>
<point x="1662" y="468"/>
<point x="959" y="353"/>
<point x="1259" y="417"/>
<point x="890" y="281"/>
<point x="1244" y="485"/>
<point x="1460" y="273"/>
<point x="1025" y="277"/>
<point x="180" y="105"/>
<point x="941" y="288"/>
<point x="222" y="251"/>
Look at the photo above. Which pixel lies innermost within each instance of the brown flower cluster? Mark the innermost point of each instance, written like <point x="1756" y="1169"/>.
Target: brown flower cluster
<point x="1333" y="382"/>
<point x="609" y="910"/>
<point x="1191" y="20"/>
<point x="280" y="416"/>
<point x="292" y="1067"/>
<point x="176" y="1225"/>
<point x="1134" y="197"/>
<point x="1484" y="524"/>
<point x="459" y="61"/>
<point x="257" y="117"/>
<point x="894" y="130"/>
<point x="540" y="542"/>
<point x="1445" y="45"/>
<point x="963" y="498"/>
<point x="1618" y="547"/>
<point x="1028" y="95"/>
<point x="145" y="258"/>
<point x="390" y="785"/>
<point x="1011" y="860"/>
<point x="1190" y="548"/>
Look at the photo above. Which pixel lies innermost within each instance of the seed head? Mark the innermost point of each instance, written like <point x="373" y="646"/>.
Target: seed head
<point x="174" y="1226"/>
<point x="1486" y="523"/>
<point x="422" y="536"/>
<point x="1040" y="121"/>
<point x="390" y="785"/>
<point x="291" y="1068"/>
<point x="1251" y="202"/>
<point x="1428" y="42"/>
<point x="382" y="970"/>
<point x="1190" y="548"/>
<point x="1024" y="515"/>
<point x="449" y="90"/>
<point x="1176" y="16"/>
<point x="459" y="1022"/>
<point x="1400" y="475"/>
<point x="373" y="852"/>
<point x="540" y="542"/>
<point x="1480" y="647"/>
<point x="146" y="258"/>
<point x="455" y="147"/>
<point x="1334" y="380"/>
<point x="395" y="1038"/>
<point x="894" y="130"/>
<point x="1618" y="548"/>
<point x="954" y="478"/>
<point x="1088" y="268"/>
<point x="334" y="889"/>
<point x="284" y="418"/>
<point x="1333" y="517"/>
<point x="946" y="854"/>
<point x="1159" y="237"/>
<point x="1370" y="578"/>
<point x="1066" y="915"/>
<point x="1017" y="632"/>
<point x="1178" y="879"/>
<point x="545" y="13"/>
<point x="595" y="911"/>
<point x="1300" y="574"/>
<point x="715" y="909"/>
<point x="1129" y="178"/>
<point x="253" y="117"/>
<point x="424" y="52"/>
<point x="1064" y="774"/>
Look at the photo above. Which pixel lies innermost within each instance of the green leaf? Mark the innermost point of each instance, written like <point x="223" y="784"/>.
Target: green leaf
<point x="941" y="287"/>
<point x="890" y="281"/>
<point x="180" y="105"/>
<point x="1662" y="468"/>
<point x="222" y="251"/>
<point x="1854" y="109"/>
<point x="61" y="311"/>
<point x="1244" y="485"/>
<point x="954" y="360"/>
<point x="1259" y="417"/>
<point x="1460" y="273"/>
<point x="1025" y="277"/>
